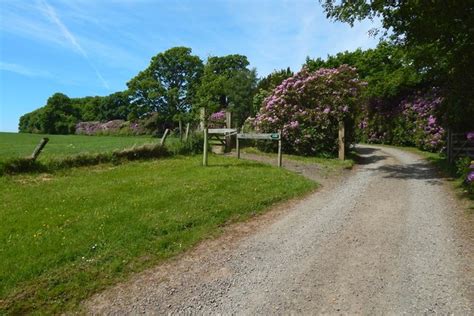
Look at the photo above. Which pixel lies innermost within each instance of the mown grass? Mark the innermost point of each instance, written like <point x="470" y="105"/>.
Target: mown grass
<point x="328" y="165"/>
<point x="67" y="235"/>
<point x="18" y="145"/>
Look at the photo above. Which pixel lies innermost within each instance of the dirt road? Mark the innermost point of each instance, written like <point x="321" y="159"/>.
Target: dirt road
<point x="388" y="238"/>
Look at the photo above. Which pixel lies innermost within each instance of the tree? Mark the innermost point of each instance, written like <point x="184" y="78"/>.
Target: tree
<point x="387" y="69"/>
<point x="228" y="83"/>
<point x="440" y="37"/>
<point x="168" y="86"/>
<point x="58" y="116"/>
<point x="114" y="107"/>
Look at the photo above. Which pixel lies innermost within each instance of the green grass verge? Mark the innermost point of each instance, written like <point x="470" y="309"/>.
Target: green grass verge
<point x="18" y="145"/>
<point x="67" y="235"/>
<point x="328" y="165"/>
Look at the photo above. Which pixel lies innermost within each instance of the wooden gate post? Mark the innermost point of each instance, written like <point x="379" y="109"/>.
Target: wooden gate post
<point x="449" y="146"/>
<point x="228" y="123"/>
<point x="342" y="141"/>
<point x="205" y="130"/>
<point x="202" y="118"/>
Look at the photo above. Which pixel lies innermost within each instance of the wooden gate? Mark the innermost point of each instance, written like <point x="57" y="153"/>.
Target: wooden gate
<point x="458" y="145"/>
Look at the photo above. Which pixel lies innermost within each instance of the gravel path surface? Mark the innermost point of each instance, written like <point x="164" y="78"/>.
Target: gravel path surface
<point x="389" y="238"/>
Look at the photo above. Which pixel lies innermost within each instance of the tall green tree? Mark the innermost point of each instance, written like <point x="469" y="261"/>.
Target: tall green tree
<point x="228" y="83"/>
<point x="168" y="86"/>
<point x="438" y="34"/>
<point x="59" y="116"/>
<point x="388" y="70"/>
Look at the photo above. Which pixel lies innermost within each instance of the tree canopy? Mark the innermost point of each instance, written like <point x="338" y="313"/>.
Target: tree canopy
<point x="228" y="83"/>
<point x="439" y="35"/>
<point x="169" y="84"/>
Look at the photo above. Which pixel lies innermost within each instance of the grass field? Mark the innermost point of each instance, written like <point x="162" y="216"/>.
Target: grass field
<point x="13" y="145"/>
<point x="67" y="235"/>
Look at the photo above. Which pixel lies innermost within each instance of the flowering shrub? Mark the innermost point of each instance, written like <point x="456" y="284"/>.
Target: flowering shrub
<point x="308" y="107"/>
<point x="470" y="137"/>
<point x="217" y="119"/>
<point x="420" y="112"/>
<point x="115" y="127"/>
<point x="412" y="122"/>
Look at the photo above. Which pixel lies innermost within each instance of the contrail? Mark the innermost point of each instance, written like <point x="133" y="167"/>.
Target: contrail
<point x="53" y="17"/>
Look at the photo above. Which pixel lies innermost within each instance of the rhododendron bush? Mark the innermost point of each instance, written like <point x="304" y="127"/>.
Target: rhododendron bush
<point x="308" y="107"/>
<point x="412" y="122"/>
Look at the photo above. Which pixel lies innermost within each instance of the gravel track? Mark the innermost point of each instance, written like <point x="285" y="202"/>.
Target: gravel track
<point x="389" y="238"/>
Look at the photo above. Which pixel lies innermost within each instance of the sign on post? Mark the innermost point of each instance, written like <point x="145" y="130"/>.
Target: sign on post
<point x="261" y="136"/>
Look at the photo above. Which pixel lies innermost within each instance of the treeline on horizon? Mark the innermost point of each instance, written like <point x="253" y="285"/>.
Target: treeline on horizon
<point x="177" y="83"/>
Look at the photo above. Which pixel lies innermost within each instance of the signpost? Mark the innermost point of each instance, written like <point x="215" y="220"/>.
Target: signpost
<point x="261" y="136"/>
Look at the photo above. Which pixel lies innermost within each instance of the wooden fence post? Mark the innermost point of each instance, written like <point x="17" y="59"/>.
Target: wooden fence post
<point x="163" y="138"/>
<point x="205" y="130"/>
<point x="39" y="148"/>
<point x="180" y="130"/>
<point x="279" y="150"/>
<point x="186" y="136"/>
<point x="237" y="146"/>
<point x="342" y="145"/>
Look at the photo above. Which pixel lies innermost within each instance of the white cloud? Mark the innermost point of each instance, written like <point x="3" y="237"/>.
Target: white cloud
<point x="54" y="18"/>
<point x="24" y="71"/>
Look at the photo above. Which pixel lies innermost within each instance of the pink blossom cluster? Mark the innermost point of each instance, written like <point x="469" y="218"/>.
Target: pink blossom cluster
<point x="110" y="128"/>
<point x="308" y="106"/>
<point x="217" y="119"/>
<point x="420" y="111"/>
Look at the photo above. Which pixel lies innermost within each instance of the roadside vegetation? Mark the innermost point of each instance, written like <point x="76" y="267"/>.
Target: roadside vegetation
<point x="327" y="165"/>
<point x="67" y="235"/>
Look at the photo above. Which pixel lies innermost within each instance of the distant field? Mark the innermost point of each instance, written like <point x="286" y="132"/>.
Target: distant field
<point x="13" y="145"/>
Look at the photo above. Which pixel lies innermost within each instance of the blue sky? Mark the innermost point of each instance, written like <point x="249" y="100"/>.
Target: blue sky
<point x="93" y="47"/>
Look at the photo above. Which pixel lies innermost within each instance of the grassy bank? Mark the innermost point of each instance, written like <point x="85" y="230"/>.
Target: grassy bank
<point x="67" y="235"/>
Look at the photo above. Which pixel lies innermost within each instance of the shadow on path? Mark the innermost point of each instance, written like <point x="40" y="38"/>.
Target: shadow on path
<point x="367" y="156"/>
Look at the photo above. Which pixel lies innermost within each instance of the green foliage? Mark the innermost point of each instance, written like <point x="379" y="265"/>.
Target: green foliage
<point x="228" y="83"/>
<point x="58" y="116"/>
<point x="387" y="69"/>
<point x="168" y="86"/>
<point x="81" y="230"/>
<point x="439" y="35"/>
